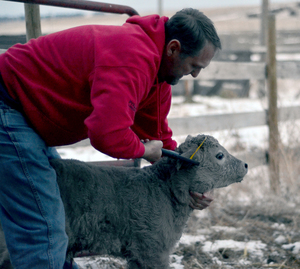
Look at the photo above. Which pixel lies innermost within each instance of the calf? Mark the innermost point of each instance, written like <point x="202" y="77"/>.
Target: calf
<point x="139" y="214"/>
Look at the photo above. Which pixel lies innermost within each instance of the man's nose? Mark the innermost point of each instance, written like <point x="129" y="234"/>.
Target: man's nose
<point x="195" y="73"/>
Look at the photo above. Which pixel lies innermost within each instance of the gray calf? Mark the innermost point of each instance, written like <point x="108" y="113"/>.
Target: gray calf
<point x="140" y="214"/>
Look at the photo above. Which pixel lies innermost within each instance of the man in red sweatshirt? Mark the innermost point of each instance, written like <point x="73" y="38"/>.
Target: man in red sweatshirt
<point x="110" y="84"/>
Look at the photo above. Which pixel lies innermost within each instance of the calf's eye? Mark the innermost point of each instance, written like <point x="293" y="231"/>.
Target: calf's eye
<point x="220" y="156"/>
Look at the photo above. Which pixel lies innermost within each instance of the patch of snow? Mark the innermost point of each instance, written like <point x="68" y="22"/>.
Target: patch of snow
<point x="252" y="247"/>
<point x="279" y="226"/>
<point x="176" y="262"/>
<point x="280" y="240"/>
<point x="87" y="154"/>
<point x="96" y="262"/>
<point x="187" y="239"/>
<point x="288" y="57"/>
<point x="217" y="261"/>
<point x="213" y="105"/>
<point x="294" y="247"/>
<point x="244" y="262"/>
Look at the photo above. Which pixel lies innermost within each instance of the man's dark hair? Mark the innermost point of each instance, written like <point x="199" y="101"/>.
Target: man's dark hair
<point x="193" y="29"/>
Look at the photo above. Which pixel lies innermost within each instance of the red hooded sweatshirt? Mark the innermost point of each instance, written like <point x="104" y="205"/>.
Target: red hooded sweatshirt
<point x="94" y="81"/>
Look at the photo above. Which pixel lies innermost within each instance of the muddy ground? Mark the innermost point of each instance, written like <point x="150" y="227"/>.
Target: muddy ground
<point x="274" y="229"/>
<point x="275" y="232"/>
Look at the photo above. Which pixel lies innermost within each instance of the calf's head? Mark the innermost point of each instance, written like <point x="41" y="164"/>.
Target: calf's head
<point x="217" y="167"/>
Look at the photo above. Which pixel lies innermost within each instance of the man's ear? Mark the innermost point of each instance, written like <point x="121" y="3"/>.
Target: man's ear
<point x="173" y="47"/>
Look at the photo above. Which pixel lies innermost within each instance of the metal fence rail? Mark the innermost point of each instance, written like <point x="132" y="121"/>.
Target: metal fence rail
<point x="84" y="5"/>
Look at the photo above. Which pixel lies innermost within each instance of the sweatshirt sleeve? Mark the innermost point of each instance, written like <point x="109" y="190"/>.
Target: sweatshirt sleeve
<point x="115" y="95"/>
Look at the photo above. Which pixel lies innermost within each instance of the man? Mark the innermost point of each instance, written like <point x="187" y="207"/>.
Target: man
<point x="108" y="83"/>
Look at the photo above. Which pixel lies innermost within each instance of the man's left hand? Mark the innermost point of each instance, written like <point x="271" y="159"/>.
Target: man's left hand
<point x="200" y="201"/>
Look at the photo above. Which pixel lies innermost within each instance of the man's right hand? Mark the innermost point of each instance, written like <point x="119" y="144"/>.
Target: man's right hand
<point x="152" y="150"/>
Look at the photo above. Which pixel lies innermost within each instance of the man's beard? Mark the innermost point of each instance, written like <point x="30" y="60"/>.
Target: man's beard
<point x="173" y="80"/>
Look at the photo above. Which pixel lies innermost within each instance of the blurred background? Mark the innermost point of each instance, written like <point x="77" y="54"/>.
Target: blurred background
<point x="7" y="9"/>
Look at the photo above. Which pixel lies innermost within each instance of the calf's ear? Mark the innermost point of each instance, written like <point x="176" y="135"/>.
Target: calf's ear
<point x="182" y="165"/>
<point x="188" y="154"/>
<point x="188" y="138"/>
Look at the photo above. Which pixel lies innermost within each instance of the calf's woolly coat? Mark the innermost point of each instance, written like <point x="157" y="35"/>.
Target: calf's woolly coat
<point x="140" y="214"/>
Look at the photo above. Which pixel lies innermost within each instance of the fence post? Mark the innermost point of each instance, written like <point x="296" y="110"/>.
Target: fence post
<point x="33" y="21"/>
<point x="273" y="113"/>
<point x="160" y="7"/>
<point x="264" y="22"/>
<point x="188" y="90"/>
<point x="263" y="40"/>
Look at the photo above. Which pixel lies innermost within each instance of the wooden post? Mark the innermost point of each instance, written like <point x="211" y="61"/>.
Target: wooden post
<point x="188" y="90"/>
<point x="273" y="113"/>
<point x="33" y="21"/>
<point x="160" y="8"/>
<point x="263" y="41"/>
<point x="264" y="22"/>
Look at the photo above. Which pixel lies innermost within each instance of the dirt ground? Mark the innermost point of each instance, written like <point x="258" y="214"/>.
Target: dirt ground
<point x="250" y="223"/>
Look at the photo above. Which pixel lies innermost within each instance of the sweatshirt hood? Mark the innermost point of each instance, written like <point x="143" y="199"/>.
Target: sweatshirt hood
<point x="151" y="25"/>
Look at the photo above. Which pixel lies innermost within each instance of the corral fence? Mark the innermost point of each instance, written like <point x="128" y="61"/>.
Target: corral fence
<point x="268" y="71"/>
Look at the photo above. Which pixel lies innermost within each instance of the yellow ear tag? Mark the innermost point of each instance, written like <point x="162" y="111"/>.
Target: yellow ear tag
<point x="197" y="149"/>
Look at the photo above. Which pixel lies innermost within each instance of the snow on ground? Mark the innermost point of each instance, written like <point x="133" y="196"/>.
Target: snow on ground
<point x="252" y="247"/>
<point x="295" y="247"/>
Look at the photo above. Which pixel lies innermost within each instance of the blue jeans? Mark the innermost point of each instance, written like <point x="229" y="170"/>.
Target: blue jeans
<point x="31" y="210"/>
